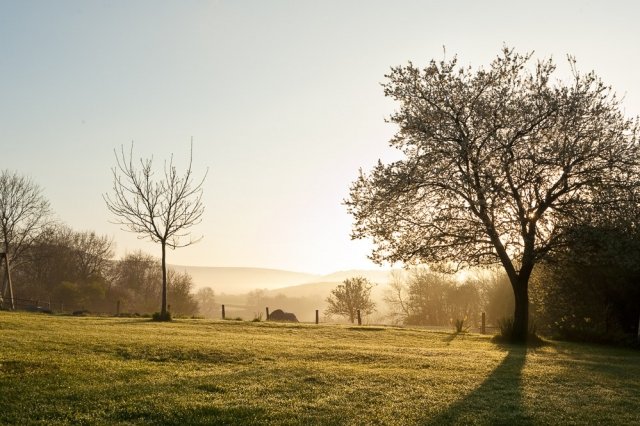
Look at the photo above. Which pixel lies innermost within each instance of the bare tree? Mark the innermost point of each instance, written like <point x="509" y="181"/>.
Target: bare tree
<point x="24" y="212"/>
<point x="499" y="163"/>
<point x="161" y="210"/>
<point x="206" y="299"/>
<point x="352" y="295"/>
<point x="397" y="299"/>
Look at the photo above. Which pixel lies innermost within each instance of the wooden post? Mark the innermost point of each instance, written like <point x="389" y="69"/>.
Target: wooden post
<point x="484" y="323"/>
<point x="359" y="317"/>
<point x="118" y="308"/>
<point x="638" y="329"/>
<point x="318" y="318"/>
<point x="222" y="311"/>
<point x="267" y="309"/>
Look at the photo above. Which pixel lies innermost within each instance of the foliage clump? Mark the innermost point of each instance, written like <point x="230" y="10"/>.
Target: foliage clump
<point x="507" y="330"/>
<point x="161" y="316"/>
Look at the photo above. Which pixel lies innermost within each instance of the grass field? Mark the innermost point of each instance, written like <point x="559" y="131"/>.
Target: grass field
<point x="84" y="370"/>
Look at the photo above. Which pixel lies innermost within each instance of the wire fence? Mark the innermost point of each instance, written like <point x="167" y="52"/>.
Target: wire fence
<point x="49" y="306"/>
<point x="58" y="306"/>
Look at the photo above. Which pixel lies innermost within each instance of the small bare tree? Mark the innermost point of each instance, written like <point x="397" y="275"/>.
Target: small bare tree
<point x="24" y="212"/>
<point x="161" y="210"/>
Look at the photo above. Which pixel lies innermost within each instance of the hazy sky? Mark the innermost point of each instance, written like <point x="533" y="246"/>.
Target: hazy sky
<point x="282" y="99"/>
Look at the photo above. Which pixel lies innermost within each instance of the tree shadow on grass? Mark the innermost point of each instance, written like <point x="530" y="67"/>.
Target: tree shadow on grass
<point x="498" y="400"/>
<point x="453" y="336"/>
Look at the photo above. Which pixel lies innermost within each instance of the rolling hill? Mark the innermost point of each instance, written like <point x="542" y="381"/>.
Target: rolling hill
<point x="238" y="280"/>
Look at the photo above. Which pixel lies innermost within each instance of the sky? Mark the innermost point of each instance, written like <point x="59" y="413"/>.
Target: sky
<point x="281" y="98"/>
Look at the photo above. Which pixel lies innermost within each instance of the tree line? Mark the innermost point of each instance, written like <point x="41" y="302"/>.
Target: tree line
<point x="77" y="271"/>
<point x="587" y="292"/>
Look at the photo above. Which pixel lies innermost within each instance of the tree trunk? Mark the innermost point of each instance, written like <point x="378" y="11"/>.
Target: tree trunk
<point x="163" y="309"/>
<point x="7" y="280"/>
<point x="521" y="314"/>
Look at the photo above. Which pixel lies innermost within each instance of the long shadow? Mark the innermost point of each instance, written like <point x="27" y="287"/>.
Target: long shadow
<point x="497" y="401"/>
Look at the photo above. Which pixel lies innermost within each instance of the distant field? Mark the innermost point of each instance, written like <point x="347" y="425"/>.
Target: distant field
<point x="68" y="370"/>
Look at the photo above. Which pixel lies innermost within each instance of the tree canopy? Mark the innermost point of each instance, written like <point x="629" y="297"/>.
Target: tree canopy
<point x="353" y="295"/>
<point x="24" y="213"/>
<point x="498" y="164"/>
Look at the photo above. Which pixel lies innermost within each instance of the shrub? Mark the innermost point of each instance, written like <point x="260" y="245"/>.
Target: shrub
<point x="459" y="325"/>
<point x="234" y="319"/>
<point x="506" y="327"/>
<point x="157" y="316"/>
<point x="257" y="317"/>
<point x="506" y="331"/>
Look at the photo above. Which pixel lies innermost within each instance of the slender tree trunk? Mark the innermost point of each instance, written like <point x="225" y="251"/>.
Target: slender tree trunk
<point x="6" y="280"/>
<point x="163" y="309"/>
<point x="521" y="314"/>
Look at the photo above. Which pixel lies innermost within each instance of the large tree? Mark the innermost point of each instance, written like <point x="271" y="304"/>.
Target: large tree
<point x="498" y="164"/>
<point x="161" y="210"/>
<point x="24" y="212"/>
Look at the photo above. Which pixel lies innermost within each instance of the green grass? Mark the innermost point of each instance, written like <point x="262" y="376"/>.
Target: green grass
<point x="68" y="370"/>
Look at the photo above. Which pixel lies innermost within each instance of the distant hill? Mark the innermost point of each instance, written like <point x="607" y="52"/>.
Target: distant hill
<point x="242" y="280"/>
<point x="306" y="297"/>
<point x="318" y="290"/>
<point x="238" y="280"/>
<point x="378" y="277"/>
<point x="321" y="290"/>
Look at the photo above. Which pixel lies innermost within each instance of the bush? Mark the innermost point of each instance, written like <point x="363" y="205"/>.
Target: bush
<point x="157" y="316"/>
<point x="570" y="332"/>
<point x="506" y="332"/>
<point x="128" y="315"/>
<point x="459" y="325"/>
<point x="257" y="317"/>
<point x="234" y="319"/>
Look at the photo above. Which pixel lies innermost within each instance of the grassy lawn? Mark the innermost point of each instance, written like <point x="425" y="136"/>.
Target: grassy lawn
<point x="68" y="370"/>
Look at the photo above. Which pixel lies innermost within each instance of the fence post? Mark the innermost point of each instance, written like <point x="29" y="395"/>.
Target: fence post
<point x="359" y="317"/>
<point x="118" y="308"/>
<point x="318" y="319"/>
<point x="484" y="328"/>
<point x="222" y="311"/>
<point x="267" y="309"/>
